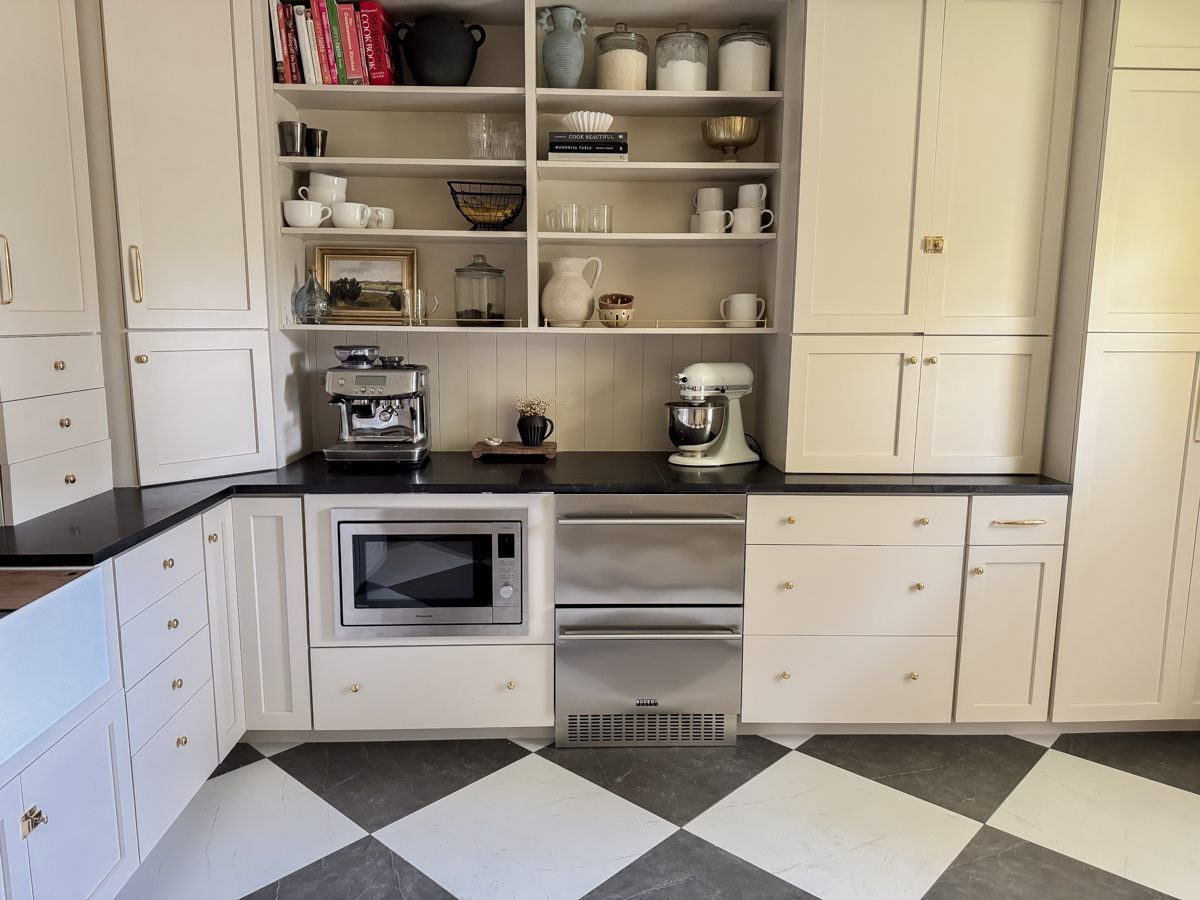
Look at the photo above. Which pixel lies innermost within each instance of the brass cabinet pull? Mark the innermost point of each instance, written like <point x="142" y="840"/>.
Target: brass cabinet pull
<point x="354" y="688"/>
<point x="31" y="819"/>
<point x="172" y="623"/>
<point x="922" y="521"/>
<point x="1018" y="521"/>
<point x="60" y="365"/>
<point x="212" y="538"/>
<point x="7" y="298"/>
<point x="176" y="684"/>
<point x="791" y="520"/>
<point x="978" y="570"/>
<point x="786" y="675"/>
<point x="920" y="585"/>
<point x="169" y="563"/>
<point x="787" y="585"/>
<point x="912" y="360"/>
<point x="64" y="423"/>
<point x="913" y="675"/>
<point x="137" y="271"/>
<point x="70" y="479"/>
<point x="181" y="741"/>
<point x="512" y="685"/>
<point x="141" y="358"/>
<point x="934" y="243"/>
<point x="933" y="360"/>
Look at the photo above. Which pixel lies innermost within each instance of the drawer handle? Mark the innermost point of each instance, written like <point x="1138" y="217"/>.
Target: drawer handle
<point x="354" y="688"/>
<point x="933" y="360"/>
<point x="7" y="299"/>
<point x="791" y="520"/>
<point x="181" y="741"/>
<point x="922" y="521"/>
<point x="212" y="538"/>
<point x="141" y="358"/>
<point x="699" y="633"/>
<point x="912" y="360"/>
<point x="1018" y="521"/>
<point x="512" y="685"/>
<point x="32" y="818"/>
<point x="70" y="479"/>
<point x="978" y="570"/>
<point x="64" y="423"/>
<point x="176" y="684"/>
<point x="920" y="585"/>
<point x="60" y="365"/>
<point x="137" y="271"/>
<point x="787" y="675"/>
<point x="169" y="563"/>
<point x="172" y="623"/>
<point x="787" y="585"/>
<point x="914" y="675"/>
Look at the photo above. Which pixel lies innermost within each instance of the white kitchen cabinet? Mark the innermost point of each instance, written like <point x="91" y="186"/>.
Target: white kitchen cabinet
<point x="853" y="403"/>
<point x="268" y="538"/>
<point x="1012" y="519"/>
<point x="1158" y="34"/>
<point x="1146" y="271"/>
<point x="1010" y="606"/>
<point x="47" y="254"/>
<point x="223" y="626"/>
<point x="863" y="519"/>
<point x="1133" y="529"/>
<point x="14" y="858"/>
<point x="186" y="166"/>
<point x="37" y="486"/>
<point x="201" y="403"/>
<point x="982" y="406"/>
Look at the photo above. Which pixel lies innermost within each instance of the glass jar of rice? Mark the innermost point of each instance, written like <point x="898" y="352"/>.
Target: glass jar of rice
<point x="622" y="57"/>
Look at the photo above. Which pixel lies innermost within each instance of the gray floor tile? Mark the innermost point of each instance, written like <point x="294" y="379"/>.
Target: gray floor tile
<point x="1170" y="757"/>
<point x="375" y="783"/>
<point x="685" y="867"/>
<point x="676" y="783"/>
<point x="969" y="774"/>
<point x="998" y="866"/>
<point x="240" y="755"/>
<point x="365" y="870"/>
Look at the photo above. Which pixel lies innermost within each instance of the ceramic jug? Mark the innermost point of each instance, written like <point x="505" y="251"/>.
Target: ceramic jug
<point x="440" y="49"/>
<point x="567" y="299"/>
<point x="562" y="51"/>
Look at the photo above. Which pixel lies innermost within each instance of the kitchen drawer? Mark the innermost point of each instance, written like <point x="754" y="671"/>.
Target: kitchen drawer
<point x="37" y="366"/>
<point x="37" y="486"/>
<point x="813" y="680"/>
<point x="153" y="569"/>
<point x="851" y="519"/>
<point x="433" y="687"/>
<point x="149" y="638"/>
<point x="1018" y="519"/>
<point x="42" y="425"/>
<point x="853" y="590"/>
<point x="171" y="767"/>
<point x="158" y="696"/>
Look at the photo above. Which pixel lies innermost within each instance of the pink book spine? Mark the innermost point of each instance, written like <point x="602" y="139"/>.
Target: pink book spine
<point x="333" y="78"/>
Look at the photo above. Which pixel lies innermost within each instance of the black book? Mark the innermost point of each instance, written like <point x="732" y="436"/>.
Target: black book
<point x="591" y="137"/>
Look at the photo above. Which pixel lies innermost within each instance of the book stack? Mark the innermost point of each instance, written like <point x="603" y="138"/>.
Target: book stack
<point x="589" y="146"/>
<point x="325" y="42"/>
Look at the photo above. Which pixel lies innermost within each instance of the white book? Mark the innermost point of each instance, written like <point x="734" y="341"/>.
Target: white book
<point x="588" y="157"/>
<point x="274" y="8"/>
<point x="318" y="78"/>
<point x="305" y="47"/>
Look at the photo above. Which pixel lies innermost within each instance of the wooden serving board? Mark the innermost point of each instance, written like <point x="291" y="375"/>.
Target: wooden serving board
<point x="515" y="448"/>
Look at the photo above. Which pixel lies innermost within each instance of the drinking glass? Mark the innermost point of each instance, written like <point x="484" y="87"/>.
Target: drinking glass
<point x="501" y="145"/>
<point x="516" y="136"/>
<point x="567" y="217"/>
<point x="479" y="135"/>
<point x="599" y="219"/>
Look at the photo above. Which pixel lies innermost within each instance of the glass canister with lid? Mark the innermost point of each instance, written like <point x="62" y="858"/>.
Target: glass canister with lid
<point x="681" y="60"/>
<point x="479" y="293"/>
<point x="622" y="58"/>
<point x="744" y="60"/>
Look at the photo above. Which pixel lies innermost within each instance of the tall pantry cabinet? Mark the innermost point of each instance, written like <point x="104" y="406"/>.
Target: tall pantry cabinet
<point x="1129" y="645"/>
<point x="935" y="145"/>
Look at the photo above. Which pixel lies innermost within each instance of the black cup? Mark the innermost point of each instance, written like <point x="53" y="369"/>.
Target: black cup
<point x="314" y="141"/>
<point x="534" y="430"/>
<point x="291" y="138"/>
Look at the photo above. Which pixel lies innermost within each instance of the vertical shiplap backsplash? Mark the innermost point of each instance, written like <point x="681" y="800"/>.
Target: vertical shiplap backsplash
<point x="609" y="389"/>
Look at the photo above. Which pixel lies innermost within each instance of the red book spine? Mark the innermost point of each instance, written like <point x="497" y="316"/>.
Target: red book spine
<point x="362" y="46"/>
<point x="329" y="57"/>
<point x="350" y="47"/>
<point x="293" y="46"/>
<point x="377" y="27"/>
<point x="319" y="27"/>
<point x="283" y="11"/>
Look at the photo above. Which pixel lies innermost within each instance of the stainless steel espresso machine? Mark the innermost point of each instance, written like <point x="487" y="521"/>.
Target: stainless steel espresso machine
<point x="382" y="404"/>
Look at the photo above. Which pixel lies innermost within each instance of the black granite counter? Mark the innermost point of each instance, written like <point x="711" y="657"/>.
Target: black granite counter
<point x="91" y="531"/>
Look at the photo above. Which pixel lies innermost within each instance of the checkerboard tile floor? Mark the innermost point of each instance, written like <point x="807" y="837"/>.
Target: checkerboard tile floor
<point x="851" y="817"/>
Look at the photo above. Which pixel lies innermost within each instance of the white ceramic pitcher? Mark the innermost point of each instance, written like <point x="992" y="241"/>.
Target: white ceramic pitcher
<point x="568" y="299"/>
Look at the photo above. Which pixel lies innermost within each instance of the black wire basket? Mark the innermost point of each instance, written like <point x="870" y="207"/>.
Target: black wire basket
<point x="488" y="206"/>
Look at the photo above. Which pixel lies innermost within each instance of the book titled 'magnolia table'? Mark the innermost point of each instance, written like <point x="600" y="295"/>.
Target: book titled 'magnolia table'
<point x="588" y="146"/>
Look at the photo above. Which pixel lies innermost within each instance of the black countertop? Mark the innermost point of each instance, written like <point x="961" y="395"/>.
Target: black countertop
<point x="91" y="531"/>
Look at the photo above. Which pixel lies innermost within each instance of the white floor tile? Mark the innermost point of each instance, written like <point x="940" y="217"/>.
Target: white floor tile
<point x="1140" y="829"/>
<point x="834" y="833"/>
<point x="791" y="741"/>
<point x="270" y="749"/>
<point x="533" y="745"/>
<point x="243" y="830"/>
<point x="1042" y="740"/>
<point x="531" y="830"/>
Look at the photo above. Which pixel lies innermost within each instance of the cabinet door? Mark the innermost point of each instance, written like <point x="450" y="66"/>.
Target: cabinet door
<point x="1158" y="34"/>
<point x="47" y="256"/>
<point x="185" y="160"/>
<point x="268" y="541"/>
<point x="201" y="404"/>
<point x="84" y="785"/>
<point x="999" y="183"/>
<point x="853" y="403"/>
<point x="223" y="628"/>
<point x="983" y="404"/>
<point x="1133" y="527"/>
<point x="1009" y="611"/>
<point x="1146" y="274"/>
<point x="14" y="860"/>
<point x="871" y="67"/>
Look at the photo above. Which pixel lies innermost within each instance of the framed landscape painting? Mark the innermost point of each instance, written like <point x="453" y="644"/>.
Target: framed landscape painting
<point x="365" y="284"/>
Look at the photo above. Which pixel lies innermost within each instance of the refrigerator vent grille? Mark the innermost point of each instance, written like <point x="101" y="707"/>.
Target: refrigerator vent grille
<point x="624" y="729"/>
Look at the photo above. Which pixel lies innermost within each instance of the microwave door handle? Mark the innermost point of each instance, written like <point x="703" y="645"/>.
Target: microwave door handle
<point x="716" y="633"/>
<point x="652" y="520"/>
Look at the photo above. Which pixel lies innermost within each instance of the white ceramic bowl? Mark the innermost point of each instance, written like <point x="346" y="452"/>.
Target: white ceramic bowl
<point x="333" y="182"/>
<point x="585" y="121"/>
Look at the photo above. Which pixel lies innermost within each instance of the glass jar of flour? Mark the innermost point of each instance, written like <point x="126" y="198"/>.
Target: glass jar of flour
<point x="622" y="57"/>
<point x="744" y="61"/>
<point x="681" y="60"/>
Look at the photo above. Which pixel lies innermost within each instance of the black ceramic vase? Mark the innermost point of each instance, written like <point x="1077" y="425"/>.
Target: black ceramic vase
<point x="534" y="430"/>
<point x="440" y="49"/>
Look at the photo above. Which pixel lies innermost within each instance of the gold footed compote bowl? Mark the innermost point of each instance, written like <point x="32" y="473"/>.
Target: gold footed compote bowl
<point x="730" y="133"/>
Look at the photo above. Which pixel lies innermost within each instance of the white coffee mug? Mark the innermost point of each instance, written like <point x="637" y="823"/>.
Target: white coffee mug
<point x="305" y="213"/>
<point x="752" y="195"/>
<point x="351" y="215"/>
<point x="336" y="182"/>
<point x="325" y="195"/>
<point x="709" y="198"/>
<point x="749" y="220"/>
<point x="744" y="310"/>
<point x="381" y="217"/>
<point x="694" y="228"/>
<point x="715" y="221"/>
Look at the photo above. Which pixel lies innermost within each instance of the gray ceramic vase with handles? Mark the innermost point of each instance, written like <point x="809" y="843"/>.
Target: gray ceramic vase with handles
<point x="534" y="430"/>
<point x="562" y="51"/>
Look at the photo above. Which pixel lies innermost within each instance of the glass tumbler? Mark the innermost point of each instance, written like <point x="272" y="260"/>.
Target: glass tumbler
<point x="501" y="146"/>
<point x="479" y="136"/>
<point x="516" y="137"/>
<point x="567" y="217"/>
<point x="599" y="219"/>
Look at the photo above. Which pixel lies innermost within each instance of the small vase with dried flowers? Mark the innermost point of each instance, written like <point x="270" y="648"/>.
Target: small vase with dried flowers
<point x="533" y="425"/>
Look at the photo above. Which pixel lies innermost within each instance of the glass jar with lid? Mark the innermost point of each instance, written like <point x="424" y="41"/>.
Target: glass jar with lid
<point x="622" y="57"/>
<point x="681" y="60"/>
<point x="744" y="60"/>
<point x="479" y="293"/>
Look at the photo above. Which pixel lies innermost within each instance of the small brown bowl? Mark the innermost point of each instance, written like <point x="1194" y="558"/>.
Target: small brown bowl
<point x="614" y="301"/>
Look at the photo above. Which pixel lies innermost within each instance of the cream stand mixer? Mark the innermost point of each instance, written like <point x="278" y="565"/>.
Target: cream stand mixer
<point x="706" y="422"/>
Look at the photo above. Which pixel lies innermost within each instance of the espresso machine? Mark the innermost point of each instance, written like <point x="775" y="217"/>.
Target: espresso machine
<point x="381" y="403"/>
<point x="706" y="422"/>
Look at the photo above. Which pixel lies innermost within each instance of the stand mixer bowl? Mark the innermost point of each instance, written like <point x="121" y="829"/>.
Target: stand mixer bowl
<point x="694" y="423"/>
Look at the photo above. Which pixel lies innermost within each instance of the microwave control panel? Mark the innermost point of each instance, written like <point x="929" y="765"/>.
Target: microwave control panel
<point x="506" y="573"/>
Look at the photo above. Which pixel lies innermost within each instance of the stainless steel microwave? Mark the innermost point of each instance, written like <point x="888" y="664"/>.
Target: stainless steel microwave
<point x="407" y="572"/>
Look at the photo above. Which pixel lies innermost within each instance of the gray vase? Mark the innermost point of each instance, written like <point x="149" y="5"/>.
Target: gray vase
<point x="562" y="51"/>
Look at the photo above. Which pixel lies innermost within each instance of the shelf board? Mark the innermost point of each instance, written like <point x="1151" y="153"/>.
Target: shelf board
<point x="456" y="169"/>
<point x="656" y="239"/>
<point x="659" y="103"/>
<point x="652" y="171"/>
<point x="403" y="98"/>
<point x="434" y="329"/>
<point x="416" y="235"/>
<point x="634" y="327"/>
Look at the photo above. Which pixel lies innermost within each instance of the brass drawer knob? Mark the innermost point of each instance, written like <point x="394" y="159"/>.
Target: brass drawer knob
<point x="176" y="684"/>
<point x="788" y="585"/>
<point x="920" y="585"/>
<point x="978" y="570"/>
<point x="64" y="423"/>
<point x="913" y="675"/>
<point x="912" y="360"/>
<point x="787" y="675"/>
<point x="212" y="538"/>
<point x="60" y="365"/>
<point x="354" y="688"/>
<point x="168" y="563"/>
<point x="933" y="360"/>
<point x="70" y="479"/>
<point x="512" y="685"/>
<point x="141" y="358"/>
<point x="181" y="741"/>
<point x="791" y="520"/>
<point x="172" y="623"/>
<point x="922" y="521"/>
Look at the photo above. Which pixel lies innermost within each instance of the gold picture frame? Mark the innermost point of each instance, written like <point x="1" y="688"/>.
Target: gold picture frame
<point x="363" y="281"/>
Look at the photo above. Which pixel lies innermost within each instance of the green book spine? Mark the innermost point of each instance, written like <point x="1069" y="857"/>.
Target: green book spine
<point x="336" y="34"/>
